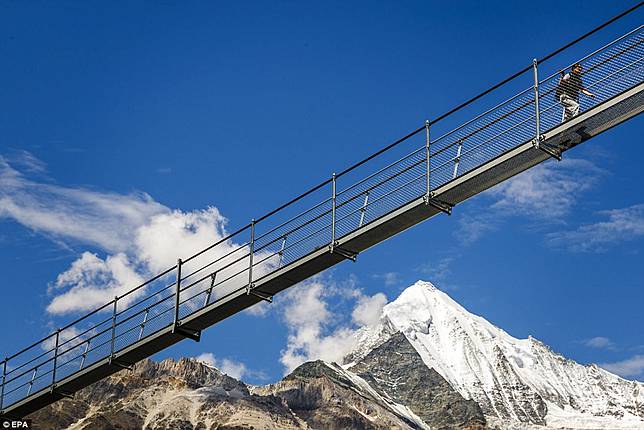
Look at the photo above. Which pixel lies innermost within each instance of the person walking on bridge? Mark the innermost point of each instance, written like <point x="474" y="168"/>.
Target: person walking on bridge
<point x="570" y="85"/>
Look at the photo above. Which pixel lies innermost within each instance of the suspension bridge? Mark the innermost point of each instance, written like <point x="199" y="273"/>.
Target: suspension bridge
<point x="510" y="127"/>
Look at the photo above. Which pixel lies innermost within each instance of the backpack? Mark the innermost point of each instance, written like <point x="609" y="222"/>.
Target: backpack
<point x="562" y="87"/>
<point x="559" y="90"/>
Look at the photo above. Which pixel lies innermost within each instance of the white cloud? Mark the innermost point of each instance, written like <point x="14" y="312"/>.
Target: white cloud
<point x="106" y="220"/>
<point x="139" y="236"/>
<point x="548" y="190"/>
<point x="622" y="225"/>
<point x="68" y="334"/>
<point x="207" y="358"/>
<point x="91" y="282"/>
<point x="315" y="332"/>
<point x="166" y="236"/>
<point x="630" y="367"/>
<point x="544" y="193"/>
<point x="261" y="309"/>
<point x="389" y="278"/>
<point x="368" y="310"/>
<point x="438" y="270"/>
<point x="153" y="247"/>
<point x="599" y="342"/>
<point x="472" y="228"/>
<point x="28" y="162"/>
<point x="232" y="368"/>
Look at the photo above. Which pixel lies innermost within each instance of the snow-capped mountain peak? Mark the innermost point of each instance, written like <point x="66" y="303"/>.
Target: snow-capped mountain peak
<point x="520" y="380"/>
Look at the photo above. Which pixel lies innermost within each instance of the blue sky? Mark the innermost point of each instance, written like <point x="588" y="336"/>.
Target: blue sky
<point x="114" y="115"/>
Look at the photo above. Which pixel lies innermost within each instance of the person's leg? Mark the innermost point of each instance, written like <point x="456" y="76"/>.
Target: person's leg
<point x="563" y="112"/>
<point x="574" y="108"/>
<point x="571" y="107"/>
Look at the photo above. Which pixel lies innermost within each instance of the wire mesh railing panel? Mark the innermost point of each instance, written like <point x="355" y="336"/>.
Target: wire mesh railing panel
<point x="353" y="205"/>
<point x="351" y="200"/>
<point x="405" y="192"/>
<point x="20" y="383"/>
<point x="161" y="316"/>
<point x="292" y="239"/>
<point x="490" y="134"/>
<point x="98" y="347"/>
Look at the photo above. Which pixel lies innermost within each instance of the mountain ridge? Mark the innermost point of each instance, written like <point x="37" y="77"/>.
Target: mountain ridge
<point x="427" y="363"/>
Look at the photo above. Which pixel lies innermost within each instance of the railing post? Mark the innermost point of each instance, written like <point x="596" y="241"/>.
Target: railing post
<point x="363" y="209"/>
<point x="537" y="139"/>
<point x="114" y="310"/>
<point x="250" y="256"/>
<point x="31" y="382"/>
<point x="175" y="322"/>
<point x="333" y="197"/>
<point x="428" y="164"/>
<point x="457" y="160"/>
<point x="213" y="278"/>
<point x="53" y="371"/>
<point x="84" y="354"/>
<point x="145" y="318"/>
<point x="281" y="253"/>
<point x="4" y="378"/>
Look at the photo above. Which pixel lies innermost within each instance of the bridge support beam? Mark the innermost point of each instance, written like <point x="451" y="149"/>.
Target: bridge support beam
<point x="188" y="333"/>
<point x="266" y="297"/>
<point x="121" y="364"/>
<point x="441" y="205"/>
<point x="63" y="394"/>
<point x="551" y="150"/>
<point x="349" y="255"/>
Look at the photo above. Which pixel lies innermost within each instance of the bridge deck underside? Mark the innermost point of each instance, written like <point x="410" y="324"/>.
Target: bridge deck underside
<point x="514" y="161"/>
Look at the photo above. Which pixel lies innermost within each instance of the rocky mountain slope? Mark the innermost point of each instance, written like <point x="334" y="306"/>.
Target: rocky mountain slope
<point x="395" y="369"/>
<point x="182" y="394"/>
<point x="187" y="394"/>
<point x="427" y="364"/>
